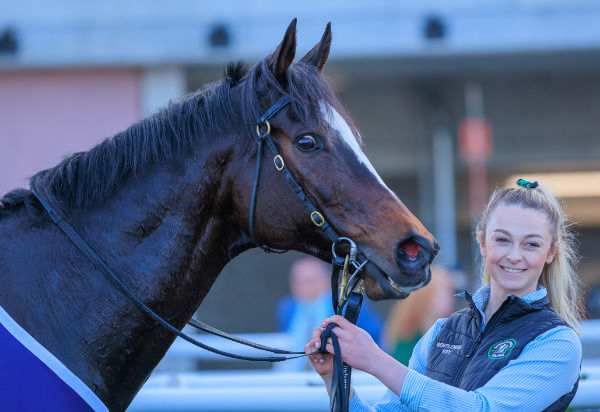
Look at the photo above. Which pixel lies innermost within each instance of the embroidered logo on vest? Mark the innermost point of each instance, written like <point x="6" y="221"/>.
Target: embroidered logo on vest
<point x="501" y="349"/>
<point x="448" y="348"/>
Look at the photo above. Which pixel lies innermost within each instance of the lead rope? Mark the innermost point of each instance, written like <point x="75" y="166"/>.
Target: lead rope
<point x="84" y="248"/>
<point x="339" y="400"/>
<point x="99" y="264"/>
<point x="347" y="305"/>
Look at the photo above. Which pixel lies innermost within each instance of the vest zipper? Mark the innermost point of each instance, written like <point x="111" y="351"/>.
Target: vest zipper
<point x="495" y="319"/>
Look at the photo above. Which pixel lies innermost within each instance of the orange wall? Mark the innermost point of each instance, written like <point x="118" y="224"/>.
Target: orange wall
<point x="47" y="114"/>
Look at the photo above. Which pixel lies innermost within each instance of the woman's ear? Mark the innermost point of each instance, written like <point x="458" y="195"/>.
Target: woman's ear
<point x="552" y="252"/>
<point x="481" y="240"/>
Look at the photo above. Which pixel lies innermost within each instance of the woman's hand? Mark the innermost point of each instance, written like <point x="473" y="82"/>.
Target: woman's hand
<point x="357" y="347"/>
<point x="321" y="362"/>
<point x="359" y="351"/>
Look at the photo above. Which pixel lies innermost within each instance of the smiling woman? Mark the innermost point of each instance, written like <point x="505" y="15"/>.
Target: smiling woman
<point x="538" y="217"/>
<point x="515" y="347"/>
<point x="517" y="245"/>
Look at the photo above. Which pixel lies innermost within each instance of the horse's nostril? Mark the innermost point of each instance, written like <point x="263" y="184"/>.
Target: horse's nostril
<point x="411" y="248"/>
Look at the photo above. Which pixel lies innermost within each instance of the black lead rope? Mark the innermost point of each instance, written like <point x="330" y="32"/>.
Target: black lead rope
<point x="214" y="331"/>
<point x="339" y="400"/>
<point x="112" y="277"/>
<point x="84" y="248"/>
<point x="339" y="392"/>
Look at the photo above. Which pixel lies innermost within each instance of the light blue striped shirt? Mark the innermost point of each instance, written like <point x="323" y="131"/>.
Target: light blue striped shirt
<point x="544" y="371"/>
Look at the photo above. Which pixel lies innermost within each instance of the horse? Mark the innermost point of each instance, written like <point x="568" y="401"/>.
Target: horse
<point x="169" y="201"/>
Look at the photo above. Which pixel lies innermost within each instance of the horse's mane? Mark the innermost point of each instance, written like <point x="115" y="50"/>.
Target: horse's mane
<point x="85" y="179"/>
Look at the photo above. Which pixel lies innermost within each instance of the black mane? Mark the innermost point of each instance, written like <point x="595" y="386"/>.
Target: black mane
<point x="84" y="180"/>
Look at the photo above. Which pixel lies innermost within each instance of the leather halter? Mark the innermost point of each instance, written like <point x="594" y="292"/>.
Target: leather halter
<point x="263" y="129"/>
<point x="346" y="291"/>
<point x="341" y="288"/>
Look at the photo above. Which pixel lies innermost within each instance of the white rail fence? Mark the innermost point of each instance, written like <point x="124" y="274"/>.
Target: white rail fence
<point x="273" y="391"/>
<point x="267" y="390"/>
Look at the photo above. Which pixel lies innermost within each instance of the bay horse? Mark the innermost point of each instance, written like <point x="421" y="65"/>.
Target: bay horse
<point x="166" y="204"/>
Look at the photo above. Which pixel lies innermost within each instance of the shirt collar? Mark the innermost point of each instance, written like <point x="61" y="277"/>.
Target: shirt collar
<point x="482" y="295"/>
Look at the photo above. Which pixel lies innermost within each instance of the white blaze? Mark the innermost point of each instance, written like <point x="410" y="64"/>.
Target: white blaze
<point x="338" y="123"/>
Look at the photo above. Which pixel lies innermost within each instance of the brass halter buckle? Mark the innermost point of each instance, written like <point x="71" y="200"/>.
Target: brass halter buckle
<point x="349" y="281"/>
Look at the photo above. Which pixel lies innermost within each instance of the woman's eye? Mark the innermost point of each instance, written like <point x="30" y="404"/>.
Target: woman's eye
<point x="501" y="239"/>
<point x="307" y="143"/>
<point x="533" y="244"/>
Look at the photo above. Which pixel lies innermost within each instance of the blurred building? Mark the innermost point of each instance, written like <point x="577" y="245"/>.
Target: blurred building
<point x="73" y="73"/>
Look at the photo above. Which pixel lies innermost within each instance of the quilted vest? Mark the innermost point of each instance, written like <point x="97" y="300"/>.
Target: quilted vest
<point x="463" y="356"/>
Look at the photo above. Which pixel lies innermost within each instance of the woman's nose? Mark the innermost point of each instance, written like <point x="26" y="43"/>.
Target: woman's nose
<point x="514" y="254"/>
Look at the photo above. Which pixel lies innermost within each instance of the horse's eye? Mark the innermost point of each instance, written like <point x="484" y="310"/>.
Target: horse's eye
<point x="307" y="143"/>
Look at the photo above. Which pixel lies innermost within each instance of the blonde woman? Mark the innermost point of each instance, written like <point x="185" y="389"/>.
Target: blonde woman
<point x="513" y="348"/>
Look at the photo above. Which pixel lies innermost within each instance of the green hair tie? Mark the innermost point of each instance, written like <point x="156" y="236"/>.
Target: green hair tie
<point x="527" y="184"/>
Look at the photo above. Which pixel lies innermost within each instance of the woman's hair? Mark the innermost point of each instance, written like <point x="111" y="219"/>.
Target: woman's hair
<point x="558" y="277"/>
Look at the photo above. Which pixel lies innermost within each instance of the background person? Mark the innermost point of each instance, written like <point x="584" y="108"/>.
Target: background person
<point x="309" y="302"/>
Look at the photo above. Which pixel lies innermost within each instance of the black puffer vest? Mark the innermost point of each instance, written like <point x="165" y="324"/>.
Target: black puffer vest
<point x="463" y="356"/>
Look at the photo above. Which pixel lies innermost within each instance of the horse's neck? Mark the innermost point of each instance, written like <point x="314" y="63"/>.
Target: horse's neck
<point x="165" y="243"/>
<point x="173" y="247"/>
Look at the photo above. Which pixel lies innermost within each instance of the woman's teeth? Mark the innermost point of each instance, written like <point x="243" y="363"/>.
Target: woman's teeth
<point x="511" y="270"/>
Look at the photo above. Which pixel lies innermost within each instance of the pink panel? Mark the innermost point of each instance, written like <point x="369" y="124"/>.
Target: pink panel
<point x="45" y="115"/>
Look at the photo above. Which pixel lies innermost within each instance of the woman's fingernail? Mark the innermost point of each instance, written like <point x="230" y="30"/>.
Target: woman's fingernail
<point x="321" y="360"/>
<point x="317" y="344"/>
<point x="314" y="360"/>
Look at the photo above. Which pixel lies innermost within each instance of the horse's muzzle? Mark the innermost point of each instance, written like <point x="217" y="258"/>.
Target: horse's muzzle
<point x="413" y="257"/>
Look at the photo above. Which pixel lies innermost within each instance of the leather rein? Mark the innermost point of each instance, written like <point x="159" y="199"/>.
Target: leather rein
<point x="347" y="284"/>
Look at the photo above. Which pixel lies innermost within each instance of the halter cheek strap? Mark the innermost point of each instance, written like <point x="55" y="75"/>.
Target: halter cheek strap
<point x="263" y="129"/>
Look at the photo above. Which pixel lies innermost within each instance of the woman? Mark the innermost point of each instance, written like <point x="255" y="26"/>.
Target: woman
<point x="515" y="347"/>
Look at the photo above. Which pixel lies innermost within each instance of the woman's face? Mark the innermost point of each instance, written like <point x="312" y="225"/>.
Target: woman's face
<point x="516" y="245"/>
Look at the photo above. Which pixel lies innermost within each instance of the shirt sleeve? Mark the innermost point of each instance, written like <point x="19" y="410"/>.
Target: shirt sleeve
<point x="546" y="369"/>
<point x="418" y="361"/>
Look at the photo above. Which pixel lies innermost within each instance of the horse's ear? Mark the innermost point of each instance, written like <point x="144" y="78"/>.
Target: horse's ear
<point x="318" y="55"/>
<point x="283" y="56"/>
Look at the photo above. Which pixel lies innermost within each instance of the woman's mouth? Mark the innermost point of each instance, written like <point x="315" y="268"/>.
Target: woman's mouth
<point x="512" y="270"/>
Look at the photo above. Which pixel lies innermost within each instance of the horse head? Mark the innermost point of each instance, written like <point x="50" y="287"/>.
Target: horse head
<point x="322" y="149"/>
